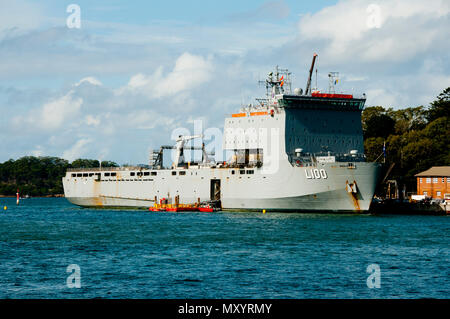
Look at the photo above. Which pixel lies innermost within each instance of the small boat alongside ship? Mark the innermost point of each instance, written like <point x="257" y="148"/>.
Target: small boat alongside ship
<point x="291" y="151"/>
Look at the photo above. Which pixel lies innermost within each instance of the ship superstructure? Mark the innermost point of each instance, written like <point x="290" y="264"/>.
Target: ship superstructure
<point x="290" y="152"/>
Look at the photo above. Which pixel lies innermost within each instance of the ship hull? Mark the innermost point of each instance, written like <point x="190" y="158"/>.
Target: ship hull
<point x="290" y="189"/>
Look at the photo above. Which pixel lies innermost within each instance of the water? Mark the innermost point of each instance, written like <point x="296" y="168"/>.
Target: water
<point x="137" y="254"/>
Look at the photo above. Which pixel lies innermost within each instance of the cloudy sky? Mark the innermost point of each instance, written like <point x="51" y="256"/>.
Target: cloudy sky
<point x="136" y="71"/>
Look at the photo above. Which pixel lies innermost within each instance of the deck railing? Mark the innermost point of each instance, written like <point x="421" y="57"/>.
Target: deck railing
<point x="105" y="169"/>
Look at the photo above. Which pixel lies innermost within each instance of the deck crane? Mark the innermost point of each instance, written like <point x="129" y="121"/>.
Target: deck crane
<point x="181" y="140"/>
<point x="156" y="157"/>
<point x="308" y="85"/>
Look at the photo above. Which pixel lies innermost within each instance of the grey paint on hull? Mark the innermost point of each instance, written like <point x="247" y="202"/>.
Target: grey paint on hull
<point x="293" y="192"/>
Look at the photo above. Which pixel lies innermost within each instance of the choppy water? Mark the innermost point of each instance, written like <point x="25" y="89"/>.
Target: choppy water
<point x="137" y="254"/>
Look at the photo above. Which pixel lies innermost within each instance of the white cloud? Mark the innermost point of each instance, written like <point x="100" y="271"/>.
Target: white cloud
<point x="64" y="110"/>
<point x="77" y="150"/>
<point x="90" y="80"/>
<point x="54" y="113"/>
<point x="19" y="14"/>
<point x="189" y="72"/>
<point x="402" y="63"/>
<point x="51" y="115"/>
<point x="92" y="120"/>
<point x="382" y="97"/>
<point x="406" y="28"/>
<point x="39" y="151"/>
<point x="148" y="119"/>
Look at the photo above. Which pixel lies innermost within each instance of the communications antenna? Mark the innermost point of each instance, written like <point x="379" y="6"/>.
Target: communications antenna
<point x="278" y="82"/>
<point x="333" y="78"/>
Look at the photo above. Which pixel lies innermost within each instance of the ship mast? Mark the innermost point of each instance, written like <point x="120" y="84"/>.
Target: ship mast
<point x="278" y="82"/>
<point x="333" y="78"/>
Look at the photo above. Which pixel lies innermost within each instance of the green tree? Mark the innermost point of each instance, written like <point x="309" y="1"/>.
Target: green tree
<point x="419" y="155"/>
<point x="373" y="148"/>
<point x="377" y="123"/>
<point x="412" y="118"/>
<point x="109" y="164"/>
<point x="417" y="138"/>
<point x="84" y="163"/>
<point x="38" y="176"/>
<point x="440" y="107"/>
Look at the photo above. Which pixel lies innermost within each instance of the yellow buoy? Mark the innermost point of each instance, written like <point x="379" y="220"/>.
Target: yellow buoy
<point x="264" y="211"/>
<point x="5" y="208"/>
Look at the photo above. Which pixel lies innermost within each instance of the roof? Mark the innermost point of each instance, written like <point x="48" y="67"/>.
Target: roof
<point x="436" y="171"/>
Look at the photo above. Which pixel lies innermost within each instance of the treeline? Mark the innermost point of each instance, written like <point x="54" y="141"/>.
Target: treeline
<point x="39" y="176"/>
<point x="416" y="138"/>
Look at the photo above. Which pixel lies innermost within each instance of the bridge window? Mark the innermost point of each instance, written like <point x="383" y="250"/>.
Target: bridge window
<point x="107" y="174"/>
<point x="174" y="173"/>
<point x="182" y="173"/>
<point x="250" y="171"/>
<point x="242" y="171"/>
<point x="146" y="173"/>
<point x="113" y="174"/>
<point x="154" y="173"/>
<point x="132" y="173"/>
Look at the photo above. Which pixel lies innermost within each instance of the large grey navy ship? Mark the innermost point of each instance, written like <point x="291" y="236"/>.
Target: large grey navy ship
<point x="290" y="151"/>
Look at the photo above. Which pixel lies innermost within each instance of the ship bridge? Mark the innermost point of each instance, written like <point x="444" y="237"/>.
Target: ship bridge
<point x="305" y="126"/>
<point x="322" y="101"/>
<point x="323" y="124"/>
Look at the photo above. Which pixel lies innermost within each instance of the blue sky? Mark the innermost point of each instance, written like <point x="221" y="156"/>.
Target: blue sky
<point x="195" y="11"/>
<point x="136" y="72"/>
